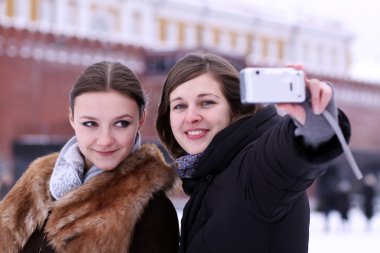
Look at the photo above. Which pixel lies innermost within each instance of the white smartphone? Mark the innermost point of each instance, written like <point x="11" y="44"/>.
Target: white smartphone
<point x="272" y="85"/>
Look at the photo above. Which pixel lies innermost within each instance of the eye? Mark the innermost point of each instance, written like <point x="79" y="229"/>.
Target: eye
<point x="90" y="124"/>
<point x="122" y="123"/>
<point x="179" y="107"/>
<point x="207" y="103"/>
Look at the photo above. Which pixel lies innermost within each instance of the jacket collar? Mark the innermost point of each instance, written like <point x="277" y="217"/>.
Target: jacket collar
<point x="231" y="140"/>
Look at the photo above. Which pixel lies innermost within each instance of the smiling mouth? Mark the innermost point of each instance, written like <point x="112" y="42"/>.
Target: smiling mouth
<point x="195" y="132"/>
<point x="105" y="153"/>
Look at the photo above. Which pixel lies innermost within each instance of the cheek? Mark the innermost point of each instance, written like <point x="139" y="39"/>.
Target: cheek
<point x="224" y="118"/>
<point x="173" y="122"/>
<point x="128" y="138"/>
<point x="175" y="127"/>
<point x="83" y="136"/>
<point x="82" y="145"/>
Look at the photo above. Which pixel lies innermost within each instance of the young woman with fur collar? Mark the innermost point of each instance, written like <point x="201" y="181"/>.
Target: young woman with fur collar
<point x="102" y="192"/>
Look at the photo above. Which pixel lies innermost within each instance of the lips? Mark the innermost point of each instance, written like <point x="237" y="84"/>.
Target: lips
<point x="196" y="133"/>
<point x="105" y="153"/>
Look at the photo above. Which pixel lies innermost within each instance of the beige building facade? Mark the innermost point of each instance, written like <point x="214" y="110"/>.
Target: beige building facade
<point x="263" y="36"/>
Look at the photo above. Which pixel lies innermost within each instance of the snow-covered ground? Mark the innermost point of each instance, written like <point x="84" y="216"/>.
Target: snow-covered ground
<point x="352" y="237"/>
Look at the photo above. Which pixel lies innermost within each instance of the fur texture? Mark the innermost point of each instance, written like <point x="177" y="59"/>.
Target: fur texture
<point x="100" y="216"/>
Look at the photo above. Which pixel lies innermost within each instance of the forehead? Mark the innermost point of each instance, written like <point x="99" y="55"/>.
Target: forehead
<point x="203" y="84"/>
<point x="110" y="102"/>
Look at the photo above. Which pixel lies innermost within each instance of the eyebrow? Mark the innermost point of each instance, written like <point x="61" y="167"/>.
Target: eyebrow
<point x="116" y="118"/>
<point x="199" y="96"/>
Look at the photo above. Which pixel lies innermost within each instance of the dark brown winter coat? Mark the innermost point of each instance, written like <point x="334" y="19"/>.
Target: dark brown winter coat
<point x="123" y="210"/>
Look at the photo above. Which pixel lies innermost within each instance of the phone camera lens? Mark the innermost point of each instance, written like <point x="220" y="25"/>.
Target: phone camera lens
<point x="257" y="72"/>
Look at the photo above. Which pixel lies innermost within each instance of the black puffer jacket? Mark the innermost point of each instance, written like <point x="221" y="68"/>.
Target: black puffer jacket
<point x="248" y="193"/>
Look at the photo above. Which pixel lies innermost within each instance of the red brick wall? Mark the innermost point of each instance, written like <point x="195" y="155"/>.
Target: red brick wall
<point x="33" y="98"/>
<point x="34" y="90"/>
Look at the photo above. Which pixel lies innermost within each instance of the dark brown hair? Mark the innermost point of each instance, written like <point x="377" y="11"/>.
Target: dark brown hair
<point x="187" y="68"/>
<point x="107" y="76"/>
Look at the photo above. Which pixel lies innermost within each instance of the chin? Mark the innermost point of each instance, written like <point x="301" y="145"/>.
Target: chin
<point x="106" y="167"/>
<point x="196" y="151"/>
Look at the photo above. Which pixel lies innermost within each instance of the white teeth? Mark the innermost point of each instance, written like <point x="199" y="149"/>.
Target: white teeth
<point x="195" y="132"/>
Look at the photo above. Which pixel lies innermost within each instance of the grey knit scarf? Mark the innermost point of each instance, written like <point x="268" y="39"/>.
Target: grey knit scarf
<point x="69" y="174"/>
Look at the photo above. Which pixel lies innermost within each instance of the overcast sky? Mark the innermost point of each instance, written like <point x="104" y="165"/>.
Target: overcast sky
<point x="362" y="18"/>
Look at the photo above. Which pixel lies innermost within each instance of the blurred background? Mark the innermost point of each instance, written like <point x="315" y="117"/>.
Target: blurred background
<point x="45" y="44"/>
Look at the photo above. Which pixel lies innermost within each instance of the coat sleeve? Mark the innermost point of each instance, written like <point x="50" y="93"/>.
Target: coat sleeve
<point x="158" y="229"/>
<point x="277" y="168"/>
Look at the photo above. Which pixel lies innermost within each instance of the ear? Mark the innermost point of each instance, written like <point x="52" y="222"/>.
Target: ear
<point x="71" y="118"/>
<point x="142" y="119"/>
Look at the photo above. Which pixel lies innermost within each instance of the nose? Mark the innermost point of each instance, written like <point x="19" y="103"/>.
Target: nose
<point x="193" y="115"/>
<point x="105" y="138"/>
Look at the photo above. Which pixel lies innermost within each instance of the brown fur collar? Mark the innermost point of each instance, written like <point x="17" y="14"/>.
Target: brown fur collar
<point x="97" y="217"/>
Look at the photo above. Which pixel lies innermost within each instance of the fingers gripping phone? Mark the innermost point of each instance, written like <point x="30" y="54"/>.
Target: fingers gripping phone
<point x="272" y="85"/>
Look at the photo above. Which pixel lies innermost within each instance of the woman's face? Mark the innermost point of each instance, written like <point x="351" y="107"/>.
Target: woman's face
<point x="198" y="111"/>
<point x="105" y="124"/>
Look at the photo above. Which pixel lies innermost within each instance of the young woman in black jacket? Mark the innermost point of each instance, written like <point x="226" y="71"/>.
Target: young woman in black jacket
<point x="245" y="168"/>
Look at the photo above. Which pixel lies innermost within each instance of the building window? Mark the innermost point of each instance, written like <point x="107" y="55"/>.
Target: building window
<point x="35" y="9"/>
<point x="334" y="58"/>
<point x="249" y="44"/>
<point x="17" y="9"/>
<point x="3" y="8"/>
<point x="190" y="36"/>
<point x="280" y="50"/>
<point x="163" y="32"/>
<point x="101" y="20"/>
<point x="114" y="15"/>
<point x="99" y="24"/>
<point x="72" y="17"/>
<point x="347" y="56"/>
<point x="160" y="64"/>
<point x="10" y="8"/>
<point x="320" y="55"/>
<point x="181" y="34"/>
<point x="305" y="52"/>
<point x="136" y="23"/>
<point x="233" y="39"/>
<point x="199" y="35"/>
<point x="172" y="34"/>
<point x="46" y="11"/>
<point x="264" y="47"/>
<point x="216" y="36"/>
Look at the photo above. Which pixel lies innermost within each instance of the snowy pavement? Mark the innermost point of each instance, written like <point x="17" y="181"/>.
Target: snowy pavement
<point x="353" y="237"/>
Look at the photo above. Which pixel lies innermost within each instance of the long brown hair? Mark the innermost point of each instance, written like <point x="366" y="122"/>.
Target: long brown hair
<point x="187" y="68"/>
<point x="107" y="76"/>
